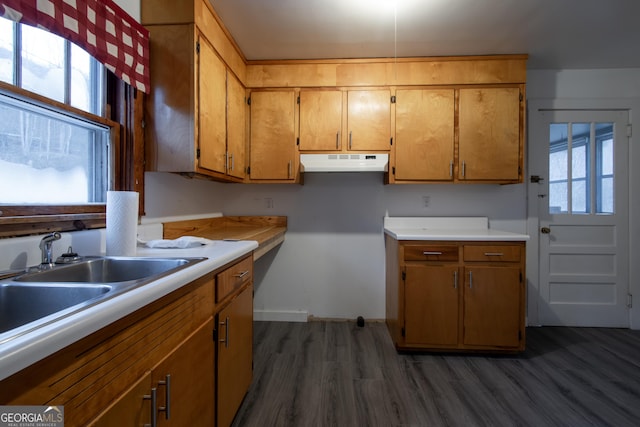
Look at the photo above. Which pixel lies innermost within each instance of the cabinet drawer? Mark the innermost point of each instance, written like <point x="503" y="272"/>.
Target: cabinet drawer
<point x="431" y="253"/>
<point x="492" y="253"/>
<point x="233" y="277"/>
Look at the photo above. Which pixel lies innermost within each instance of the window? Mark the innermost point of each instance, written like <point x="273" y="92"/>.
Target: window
<point x="581" y="171"/>
<point x="61" y="158"/>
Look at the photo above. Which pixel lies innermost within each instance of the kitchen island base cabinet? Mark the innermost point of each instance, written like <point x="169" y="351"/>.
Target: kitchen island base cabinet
<point x="458" y="296"/>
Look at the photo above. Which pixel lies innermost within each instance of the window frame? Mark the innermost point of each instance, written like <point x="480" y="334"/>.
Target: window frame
<point x="124" y="107"/>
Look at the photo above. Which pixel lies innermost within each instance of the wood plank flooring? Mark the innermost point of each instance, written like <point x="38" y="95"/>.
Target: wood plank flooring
<point x="339" y="374"/>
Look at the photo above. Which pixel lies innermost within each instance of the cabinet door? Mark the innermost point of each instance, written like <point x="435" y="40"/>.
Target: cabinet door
<point x="132" y="409"/>
<point x="273" y="137"/>
<point x="431" y="305"/>
<point x="489" y="134"/>
<point x="235" y="127"/>
<point x="320" y="120"/>
<point x="369" y="120"/>
<point x="185" y="381"/>
<point x="235" y="355"/>
<point x="211" y="112"/>
<point x="424" y="134"/>
<point x="492" y="306"/>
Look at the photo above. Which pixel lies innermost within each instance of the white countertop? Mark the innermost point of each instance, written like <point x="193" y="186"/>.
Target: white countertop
<point x="447" y="228"/>
<point x="24" y="350"/>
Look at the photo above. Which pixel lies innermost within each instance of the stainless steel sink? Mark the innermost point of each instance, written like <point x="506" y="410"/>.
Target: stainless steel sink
<point x="106" y="270"/>
<point x="35" y="297"/>
<point x="22" y="304"/>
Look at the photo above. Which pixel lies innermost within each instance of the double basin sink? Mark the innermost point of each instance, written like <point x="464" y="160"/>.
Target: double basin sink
<point x="39" y="297"/>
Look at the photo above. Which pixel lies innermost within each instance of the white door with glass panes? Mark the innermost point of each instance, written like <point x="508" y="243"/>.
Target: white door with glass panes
<point x="583" y="211"/>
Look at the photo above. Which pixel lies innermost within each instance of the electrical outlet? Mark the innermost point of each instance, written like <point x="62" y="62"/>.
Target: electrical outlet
<point x="425" y="201"/>
<point x="268" y="202"/>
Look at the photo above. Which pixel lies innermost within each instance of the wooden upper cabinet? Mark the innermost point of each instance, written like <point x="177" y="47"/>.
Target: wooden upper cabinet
<point x="320" y="120"/>
<point x="212" y="134"/>
<point x="236" y="125"/>
<point x="424" y="140"/>
<point x="369" y="120"/>
<point x="187" y="125"/>
<point x="490" y="134"/>
<point x="272" y="135"/>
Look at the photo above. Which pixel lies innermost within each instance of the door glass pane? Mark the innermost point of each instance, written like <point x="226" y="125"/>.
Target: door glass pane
<point x="580" y="138"/>
<point x="43" y="63"/>
<point x="572" y="149"/>
<point x="558" y="169"/>
<point x="604" y="168"/>
<point x="6" y="51"/>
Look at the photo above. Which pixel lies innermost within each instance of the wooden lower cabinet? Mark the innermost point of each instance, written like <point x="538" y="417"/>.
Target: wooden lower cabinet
<point x="431" y="305"/>
<point x="108" y="378"/>
<point x="183" y="385"/>
<point x="462" y="296"/>
<point x="235" y="355"/>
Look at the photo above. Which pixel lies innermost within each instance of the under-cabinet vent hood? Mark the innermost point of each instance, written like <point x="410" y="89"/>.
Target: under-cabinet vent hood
<point x="344" y="162"/>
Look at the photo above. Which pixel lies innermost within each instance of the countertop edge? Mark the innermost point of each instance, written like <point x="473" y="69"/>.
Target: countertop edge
<point x="480" y="235"/>
<point x="23" y="351"/>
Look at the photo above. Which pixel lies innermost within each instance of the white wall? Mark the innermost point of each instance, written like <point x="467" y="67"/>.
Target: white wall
<point x="332" y="261"/>
<point x="132" y="7"/>
<point x="594" y="89"/>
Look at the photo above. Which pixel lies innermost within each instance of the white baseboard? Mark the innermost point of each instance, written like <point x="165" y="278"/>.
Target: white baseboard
<point x="280" y="316"/>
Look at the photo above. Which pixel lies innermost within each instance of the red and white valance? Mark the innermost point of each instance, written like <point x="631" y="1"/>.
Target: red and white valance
<point x="101" y="28"/>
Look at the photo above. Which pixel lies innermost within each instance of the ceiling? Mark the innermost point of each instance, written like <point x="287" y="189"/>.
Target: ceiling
<point x="556" y="34"/>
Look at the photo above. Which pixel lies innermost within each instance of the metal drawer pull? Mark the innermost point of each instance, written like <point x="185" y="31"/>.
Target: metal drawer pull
<point x="493" y="254"/>
<point x="153" y="397"/>
<point x="241" y="275"/>
<point x="226" y="332"/>
<point x="167" y="396"/>
<point x="431" y="253"/>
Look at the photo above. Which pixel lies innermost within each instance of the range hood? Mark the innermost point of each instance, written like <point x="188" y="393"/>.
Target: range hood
<point x="344" y="162"/>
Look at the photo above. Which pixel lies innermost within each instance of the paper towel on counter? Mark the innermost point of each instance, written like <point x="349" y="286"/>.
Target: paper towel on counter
<point x="122" y="223"/>
<point x="183" y="242"/>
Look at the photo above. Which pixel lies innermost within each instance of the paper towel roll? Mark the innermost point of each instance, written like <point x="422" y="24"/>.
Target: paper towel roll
<point x="122" y="223"/>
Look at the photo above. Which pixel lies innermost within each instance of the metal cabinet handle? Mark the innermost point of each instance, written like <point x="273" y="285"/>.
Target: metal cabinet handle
<point x="455" y="279"/>
<point x="241" y="275"/>
<point x="153" y="397"/>
<point x="470" y="279"/>
<point x="289" y="169"/>
<point x="431" y="253"/>
<point x="226" y="332"/>
<point x="232" y="162"/>
<point x="337" y="140"/>
<point x="493" y="254"/>
<point x="451" y="168"/>
<point x="464" y="168"/>
<point x="350" y="139"/>
<point x="167" y="396"/>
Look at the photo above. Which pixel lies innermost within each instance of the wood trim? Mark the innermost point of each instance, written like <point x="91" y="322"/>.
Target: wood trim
<point x="499" y="69"/>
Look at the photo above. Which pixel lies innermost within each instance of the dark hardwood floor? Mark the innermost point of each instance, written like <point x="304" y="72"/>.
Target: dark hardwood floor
<point x="339" y="374"/>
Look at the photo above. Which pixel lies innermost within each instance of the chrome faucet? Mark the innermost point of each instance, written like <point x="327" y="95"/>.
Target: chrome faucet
<point x="46" y="246"/>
